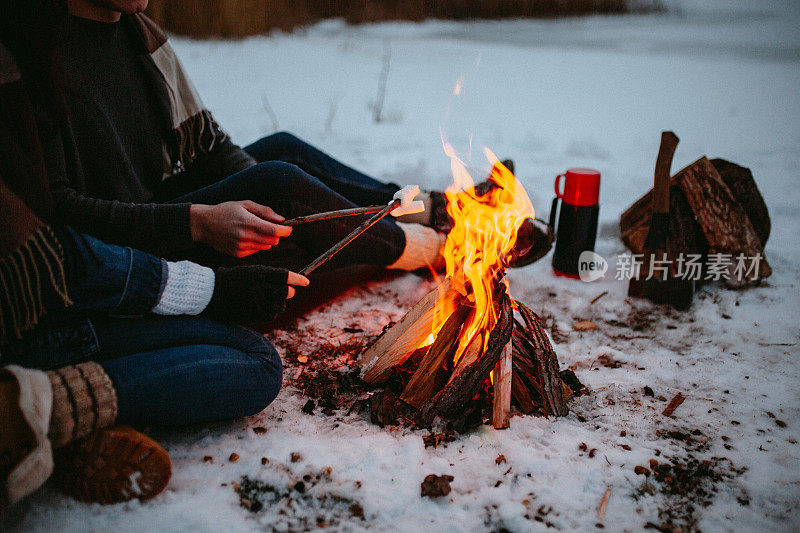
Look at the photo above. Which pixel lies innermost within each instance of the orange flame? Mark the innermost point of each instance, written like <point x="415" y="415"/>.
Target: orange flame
<point x="485" y="231"/>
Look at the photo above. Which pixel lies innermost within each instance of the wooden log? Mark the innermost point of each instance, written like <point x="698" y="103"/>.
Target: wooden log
<point x="685" y="234"/>
<point x="399" y="341"/>
<point x="523" y="360"/>
<point x="450" y="402"/>
<point x="741" y="183"/>
<point x="725" y="224"/>
<point x="546" y="362"/>
<point x="521" y="393"/>
<point x="470" y="355"/>
<point x="437" y="365"/>
<point x="502" y="375"/>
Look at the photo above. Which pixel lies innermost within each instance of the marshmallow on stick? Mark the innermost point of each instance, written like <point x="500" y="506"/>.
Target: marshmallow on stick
<point x="408" y="206"/>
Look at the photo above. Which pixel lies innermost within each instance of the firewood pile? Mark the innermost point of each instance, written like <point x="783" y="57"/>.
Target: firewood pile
<point x="715" y="210"/>
<point x="513" y="362"/>
<point x="461" y="349"/>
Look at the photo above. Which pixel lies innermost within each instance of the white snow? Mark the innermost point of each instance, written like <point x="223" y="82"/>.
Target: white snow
<point x="594" y="92"/>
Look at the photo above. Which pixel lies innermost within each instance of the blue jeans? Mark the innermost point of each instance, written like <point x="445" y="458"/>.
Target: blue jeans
<point x="294" y="178"/>
<point x="165" y="370"/>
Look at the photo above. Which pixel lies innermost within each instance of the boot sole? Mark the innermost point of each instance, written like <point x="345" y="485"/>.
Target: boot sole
<point x="112" y="466"/>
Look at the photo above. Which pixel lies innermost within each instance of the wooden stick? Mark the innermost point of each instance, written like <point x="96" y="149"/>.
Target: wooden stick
<point x="501" y="408"/>
<point x="601" y="512"/>
<point x="328" y="215"/>
<point x="594" y="301"/>
<point x="673" y="404"/>
<point x="319" y="261"/>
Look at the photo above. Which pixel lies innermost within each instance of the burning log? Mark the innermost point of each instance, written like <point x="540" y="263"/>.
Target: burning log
<point x="395" y="344"/>
<point x="450" y="402"/>
<point x="436" y="366"/>
<point x="436" y="362"/>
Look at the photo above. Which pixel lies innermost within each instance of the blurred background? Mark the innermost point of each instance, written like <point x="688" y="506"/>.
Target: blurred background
<point x="243" y="18"/>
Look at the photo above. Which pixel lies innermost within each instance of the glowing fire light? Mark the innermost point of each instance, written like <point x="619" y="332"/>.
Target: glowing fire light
<point x="485" y="231"/>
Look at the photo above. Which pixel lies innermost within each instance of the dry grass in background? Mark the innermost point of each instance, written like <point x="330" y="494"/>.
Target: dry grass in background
<point x="240" y="18"/>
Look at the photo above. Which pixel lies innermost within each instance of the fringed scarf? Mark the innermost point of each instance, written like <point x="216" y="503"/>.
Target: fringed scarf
<point x="31" y="258"/>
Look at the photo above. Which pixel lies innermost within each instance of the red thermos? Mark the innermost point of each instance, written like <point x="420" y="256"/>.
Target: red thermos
<point x="577" y="223"/>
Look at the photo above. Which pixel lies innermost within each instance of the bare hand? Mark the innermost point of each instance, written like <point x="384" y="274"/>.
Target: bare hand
<point x="237" y="228"/>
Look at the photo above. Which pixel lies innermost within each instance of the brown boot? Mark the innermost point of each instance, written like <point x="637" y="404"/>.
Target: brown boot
<point x="113" y="465"/>
<point x="26" y="458"/>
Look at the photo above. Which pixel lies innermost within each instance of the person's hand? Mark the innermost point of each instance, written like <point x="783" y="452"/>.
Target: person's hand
<point x="237" y="228"/>
<point x="252" y="293"/>
<point x="298" y="280"/>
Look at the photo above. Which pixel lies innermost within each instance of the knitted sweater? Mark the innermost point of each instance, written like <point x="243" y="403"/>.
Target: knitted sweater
<point x="100" y="193"/>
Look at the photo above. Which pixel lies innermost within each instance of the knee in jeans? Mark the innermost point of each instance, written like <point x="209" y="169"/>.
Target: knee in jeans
<point x="267" y="376"/>
<point x="279" y="146"/>
<point x="289" y="177"/>
<point x="285" y="139"/>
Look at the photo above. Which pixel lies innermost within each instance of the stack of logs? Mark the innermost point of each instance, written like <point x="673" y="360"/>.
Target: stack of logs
<point x="517" y="353"/>
<point x="715" y="208"/>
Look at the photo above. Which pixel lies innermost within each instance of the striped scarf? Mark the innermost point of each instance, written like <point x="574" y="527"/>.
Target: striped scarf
<point x="193" y="130"/>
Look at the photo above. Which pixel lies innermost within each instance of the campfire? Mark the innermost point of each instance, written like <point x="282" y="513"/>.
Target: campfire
<point x="461" y="345"/>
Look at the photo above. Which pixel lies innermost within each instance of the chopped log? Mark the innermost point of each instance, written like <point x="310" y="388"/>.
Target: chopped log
<point x="399" y="341"/>
<point x="725" y="224"/>
<point x="450" y="402"/>
<point x="437" y="365"/>
<point x="741" y="183"/>
<point x="501" y="408"/>
<point x="521" y="393"/>
<point x="545" y="360"/>
<point x="470" y="355"/>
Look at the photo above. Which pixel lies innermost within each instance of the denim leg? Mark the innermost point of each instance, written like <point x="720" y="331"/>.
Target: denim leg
<point x="104" y="278"/>
<point x="181" y="370"/>
<point x="292" y="192"/>
<point x="348" y="182"/>
<point x="166" y="370"/>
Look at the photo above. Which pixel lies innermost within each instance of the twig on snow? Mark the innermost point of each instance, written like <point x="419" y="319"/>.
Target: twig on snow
<point x="601" y="512"/>
<point x="383" y="77"/>
<point x="268" y="108"/>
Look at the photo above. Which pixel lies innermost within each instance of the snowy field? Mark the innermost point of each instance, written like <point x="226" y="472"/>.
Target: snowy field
<point x="597" y="91"/>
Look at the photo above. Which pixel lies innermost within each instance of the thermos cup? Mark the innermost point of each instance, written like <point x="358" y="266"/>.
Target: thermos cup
<point x="577" y="222"/>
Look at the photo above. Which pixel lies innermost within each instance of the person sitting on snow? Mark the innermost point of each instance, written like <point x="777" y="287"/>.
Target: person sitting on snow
<point x="135" y="159"/>
<point x="73" y="368"/>
<point x="131" y="156"/>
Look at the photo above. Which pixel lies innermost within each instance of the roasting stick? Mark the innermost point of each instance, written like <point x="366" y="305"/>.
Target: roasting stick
<point x="402" y="202"/>
<point x="334" y="214"/>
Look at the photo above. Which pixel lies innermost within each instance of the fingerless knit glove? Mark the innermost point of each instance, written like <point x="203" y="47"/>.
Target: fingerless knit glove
<point x="248" y="293"/>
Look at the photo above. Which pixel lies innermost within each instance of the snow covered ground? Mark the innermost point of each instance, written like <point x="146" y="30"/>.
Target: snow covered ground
<point x="595" y="92"/>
